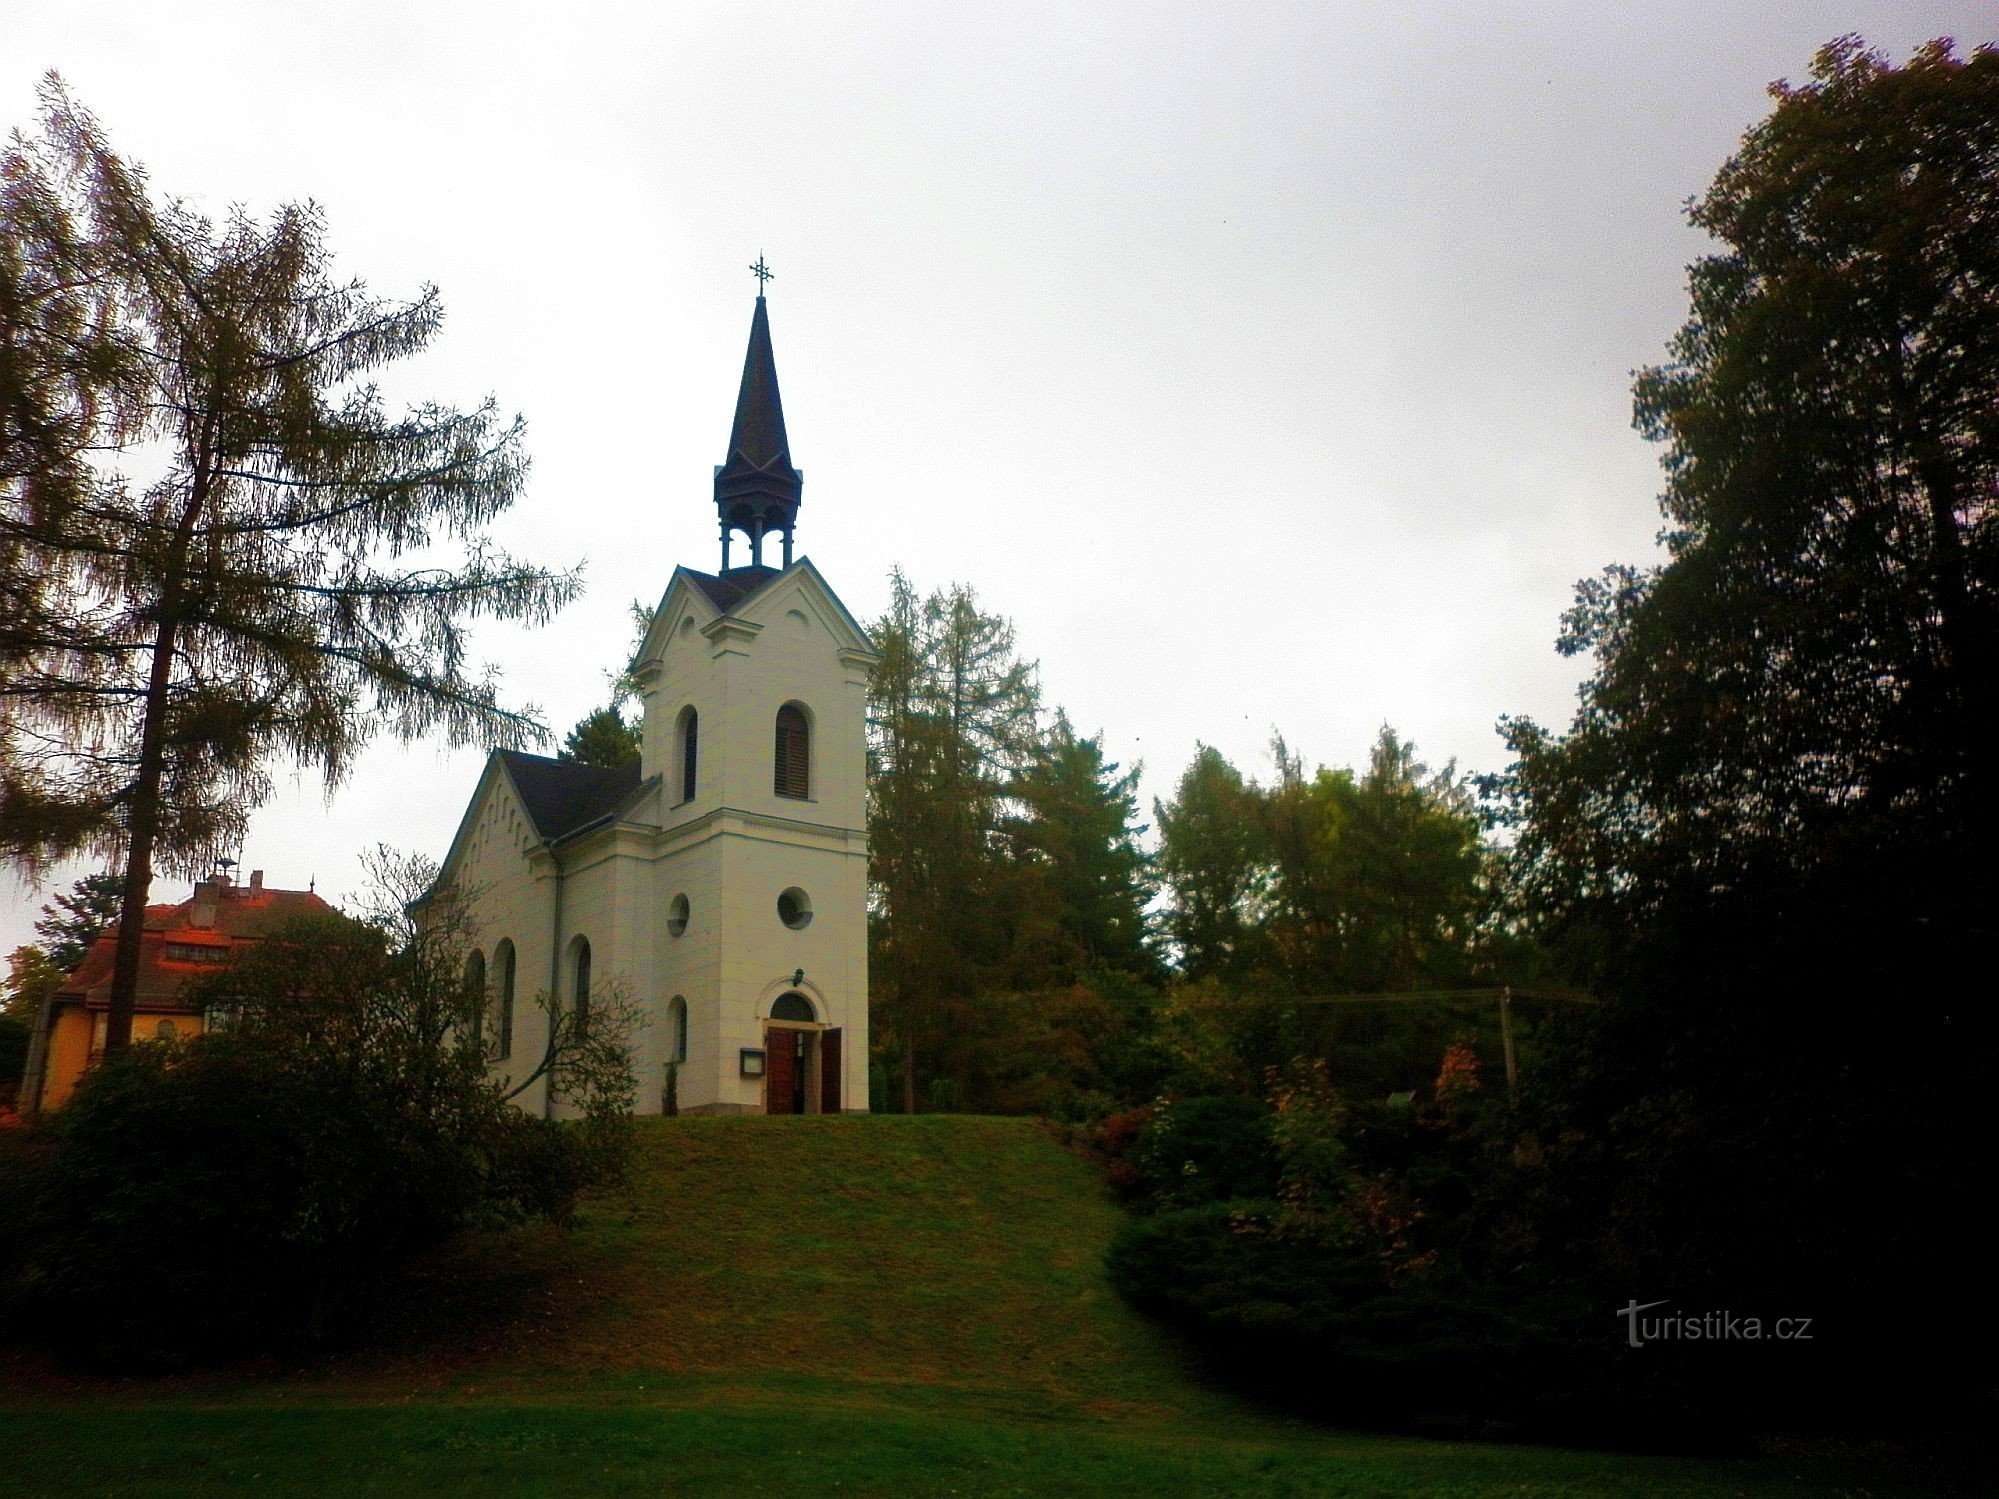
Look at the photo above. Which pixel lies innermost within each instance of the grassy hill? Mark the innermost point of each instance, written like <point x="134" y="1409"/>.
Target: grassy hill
<point x="778" y="1306"/>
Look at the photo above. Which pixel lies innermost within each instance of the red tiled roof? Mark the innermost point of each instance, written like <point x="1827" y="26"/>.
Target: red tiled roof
<point x="240" y="914"/>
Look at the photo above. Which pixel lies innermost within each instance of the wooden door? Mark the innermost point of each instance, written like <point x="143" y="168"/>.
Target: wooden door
<point x="780" y="1070"/>
<point x="829" y="1071"/>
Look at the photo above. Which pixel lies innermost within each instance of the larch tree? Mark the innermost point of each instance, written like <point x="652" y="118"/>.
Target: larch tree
<point x="953" y="718"/>
<point x="298" y="571"/>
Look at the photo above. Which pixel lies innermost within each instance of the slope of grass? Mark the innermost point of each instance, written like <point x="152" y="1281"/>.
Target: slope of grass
<point x="929" y="1251"/>
<point x="847" y="1305"/>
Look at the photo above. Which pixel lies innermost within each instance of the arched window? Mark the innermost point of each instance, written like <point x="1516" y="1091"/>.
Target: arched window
<point x="503" y="959"/>
<point x="690" y="750"/>
<point x="794" y="754"/>
<point x="475" y="992"/>
<point x="793" y="1006"/>
<point x="581" y="992"/>
<point x="676" y="1028"/>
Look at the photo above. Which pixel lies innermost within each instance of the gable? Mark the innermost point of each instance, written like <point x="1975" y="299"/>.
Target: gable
<point x="685" y="597"/>
<point x="801" y="589"/>
<point x="761" y="596"/>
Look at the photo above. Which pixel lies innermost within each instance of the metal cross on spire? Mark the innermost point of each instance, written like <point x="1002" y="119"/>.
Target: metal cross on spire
<point x="762" y="272"/>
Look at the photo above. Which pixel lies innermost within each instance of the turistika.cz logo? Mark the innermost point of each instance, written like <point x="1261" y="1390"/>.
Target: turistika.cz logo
<point x="1707" y="1327"/>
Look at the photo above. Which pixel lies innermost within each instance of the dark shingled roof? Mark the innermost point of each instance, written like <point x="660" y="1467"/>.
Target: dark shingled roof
<point x="758" y="481"/>
<point x="729" y="589"/>
<point x="562" y="796"/>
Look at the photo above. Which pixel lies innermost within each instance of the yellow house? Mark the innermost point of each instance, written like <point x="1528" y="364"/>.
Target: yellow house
<point x="180" y="943"/>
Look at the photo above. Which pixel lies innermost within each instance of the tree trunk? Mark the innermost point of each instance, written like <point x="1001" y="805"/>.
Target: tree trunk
<point x="144" y="823"/>
<point x="143" y="817"/>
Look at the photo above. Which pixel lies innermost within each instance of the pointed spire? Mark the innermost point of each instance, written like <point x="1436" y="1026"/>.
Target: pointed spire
<point x="757" y="490"/>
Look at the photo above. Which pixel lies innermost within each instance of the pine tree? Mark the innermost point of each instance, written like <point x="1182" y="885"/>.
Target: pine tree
<point x="283" y="586"/>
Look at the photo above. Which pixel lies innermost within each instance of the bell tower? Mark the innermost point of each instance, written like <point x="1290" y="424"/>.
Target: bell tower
<point x="754" y="680"/>
<point x="757" y="490"/>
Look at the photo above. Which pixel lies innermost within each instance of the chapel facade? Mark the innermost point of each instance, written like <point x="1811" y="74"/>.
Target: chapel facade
<point x="720" y="883"/>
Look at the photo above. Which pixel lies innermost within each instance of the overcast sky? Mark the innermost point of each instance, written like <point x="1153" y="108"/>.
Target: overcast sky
<point x="1268" y="364"/>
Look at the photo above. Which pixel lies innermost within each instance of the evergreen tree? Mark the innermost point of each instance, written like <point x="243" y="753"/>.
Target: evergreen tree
<point x="1077" y="859"/>
<point x="602" y="738"/>
<point x="277" y="588"/>
<point x="72" y="921"/>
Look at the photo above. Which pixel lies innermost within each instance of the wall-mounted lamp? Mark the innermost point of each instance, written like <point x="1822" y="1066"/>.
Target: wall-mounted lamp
<point x="797" y="978"/>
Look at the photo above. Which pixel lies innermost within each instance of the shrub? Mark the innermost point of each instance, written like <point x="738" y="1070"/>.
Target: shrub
<point x="235" y="1191"/>
<point x="217" y="1196"/>
<point x="1312" y="1323"/>
<point x="1198" y="1150"/>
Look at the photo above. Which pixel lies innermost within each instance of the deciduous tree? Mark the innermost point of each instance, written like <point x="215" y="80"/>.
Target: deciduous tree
<point x="1767" y="834"/>
<point x="1212" y="860"/>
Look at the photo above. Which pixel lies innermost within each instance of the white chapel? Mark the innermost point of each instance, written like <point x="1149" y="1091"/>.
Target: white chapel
<point x="721" y="882"/>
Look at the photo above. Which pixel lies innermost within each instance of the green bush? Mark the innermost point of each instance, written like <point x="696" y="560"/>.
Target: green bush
<point x="218" y="1196"/>
<point x="239" y="1190"/>
<point x="1318" y="1325"/>
<point x="1198" y="1150"/>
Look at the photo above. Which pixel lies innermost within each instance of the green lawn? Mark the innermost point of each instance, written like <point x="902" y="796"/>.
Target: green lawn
<point x="854" y="1306"/>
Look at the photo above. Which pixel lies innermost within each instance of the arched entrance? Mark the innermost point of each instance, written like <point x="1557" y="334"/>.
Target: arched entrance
<point x="802" y="1066"/>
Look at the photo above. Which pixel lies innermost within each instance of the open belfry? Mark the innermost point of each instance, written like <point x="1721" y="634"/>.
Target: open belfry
<point x="720" y="884"/>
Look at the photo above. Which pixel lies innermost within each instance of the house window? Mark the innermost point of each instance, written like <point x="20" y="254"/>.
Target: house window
<point x="690" y="749"/>
<point x="676" y="916"/>
<point x="503" y="956"/>
<point x="676" y="1021"/>
<point x="793" y="758"/>
<point x="196" y="952"/>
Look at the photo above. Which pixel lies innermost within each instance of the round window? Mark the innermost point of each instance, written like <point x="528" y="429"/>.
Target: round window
<point x="676" y="915"/>
<point x="794" y="909"/>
